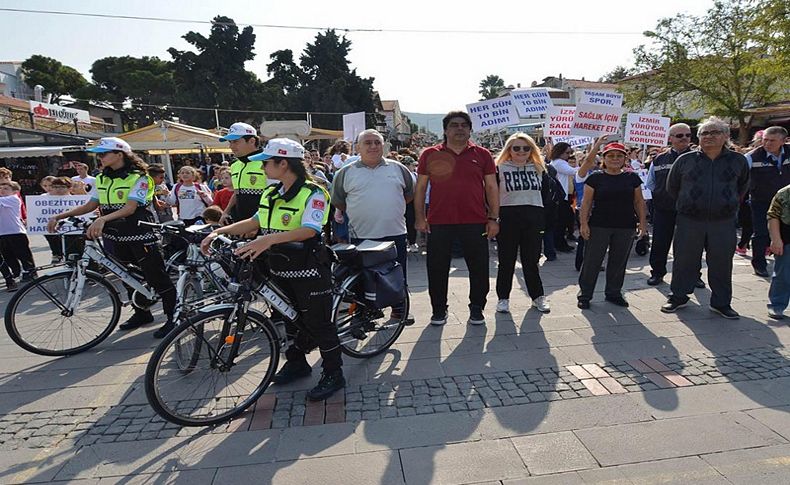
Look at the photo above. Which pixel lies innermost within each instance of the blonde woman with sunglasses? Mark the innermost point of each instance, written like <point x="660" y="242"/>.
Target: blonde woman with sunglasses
<point x="523" y="186"/>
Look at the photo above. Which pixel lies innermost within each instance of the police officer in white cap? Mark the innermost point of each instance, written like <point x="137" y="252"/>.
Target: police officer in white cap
<point x="248" y="176"/>
<point x="295" y="209"/>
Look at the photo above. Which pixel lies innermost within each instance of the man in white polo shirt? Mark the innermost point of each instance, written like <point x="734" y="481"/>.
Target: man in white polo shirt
<point x="374" y="191"/>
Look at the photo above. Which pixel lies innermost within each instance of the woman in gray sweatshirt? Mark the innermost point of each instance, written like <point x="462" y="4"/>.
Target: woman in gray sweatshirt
<point x="523" y="186"/>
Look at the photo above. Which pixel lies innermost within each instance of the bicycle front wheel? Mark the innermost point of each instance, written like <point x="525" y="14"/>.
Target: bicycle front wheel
<point x="37" y="320"/>
<point x="191" y="380"/>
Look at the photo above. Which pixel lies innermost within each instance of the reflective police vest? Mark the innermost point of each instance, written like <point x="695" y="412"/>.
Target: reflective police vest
<point x="113" y="194"/>
<point x="765" y="177"/>
<point x="248" y="177"/>
<point x="280" y="213"/>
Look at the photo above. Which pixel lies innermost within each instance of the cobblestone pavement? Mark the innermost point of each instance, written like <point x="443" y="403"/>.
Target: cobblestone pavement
<point x="606" y="395"/>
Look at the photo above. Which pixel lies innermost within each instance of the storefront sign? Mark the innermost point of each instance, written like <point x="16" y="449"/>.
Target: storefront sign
<point x="59" y="113"/>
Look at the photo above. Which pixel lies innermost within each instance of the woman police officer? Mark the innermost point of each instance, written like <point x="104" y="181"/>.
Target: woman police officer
<point x="122" y="193"/>
<point x="295" y="209"/>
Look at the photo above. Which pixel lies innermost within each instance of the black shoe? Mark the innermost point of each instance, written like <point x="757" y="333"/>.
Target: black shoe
<point x="672" y="305"/>
<point x="763" y="273"/>
<point x="328" y="385"/>
<point x="699" y="283"/>
<point x="137" y="320"/>
<point x="583" y="304"/>
<point x="165" y="329"/>
<point x="565" y="249"/>
<point x="726" y="311"/>
<point x="655" y="280"/>
<point x="476" y="315"/>
<point x="439" y="318"/>
<point x="571" y="237"/>
<point x="10" y="285"/>
<point x="29" y="275"/>
<point x="617" y="300"/>
<point x="291" y="371"/>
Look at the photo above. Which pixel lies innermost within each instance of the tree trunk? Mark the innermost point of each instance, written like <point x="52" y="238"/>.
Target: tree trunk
<point x="743" y="130"/>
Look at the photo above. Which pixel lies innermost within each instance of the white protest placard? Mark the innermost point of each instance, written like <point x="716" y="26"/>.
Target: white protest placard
<point x="41" y="207"/>
<point x="531" y="102"/>
<point x="353" y="125"/>
<point x="573" y="141"/>
<point x="596" y="120"/>
<point x="603" y="97"/>
<point x="647" y="129"/>
<point x="492" y="114"/>
<point x="558" y="121"/>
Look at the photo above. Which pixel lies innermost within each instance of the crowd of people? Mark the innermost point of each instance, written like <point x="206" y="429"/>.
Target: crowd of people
<point x="531" y="201"/>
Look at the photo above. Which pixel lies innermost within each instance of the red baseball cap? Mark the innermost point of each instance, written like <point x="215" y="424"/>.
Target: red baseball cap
<point x="614" y="146"/>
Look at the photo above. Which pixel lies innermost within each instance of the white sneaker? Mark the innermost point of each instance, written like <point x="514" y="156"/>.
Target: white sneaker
<point x="541" y="304"/>
<point x="503" y="306"/>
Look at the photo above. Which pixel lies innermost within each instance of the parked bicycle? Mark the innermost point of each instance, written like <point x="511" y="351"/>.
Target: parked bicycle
<point x="218" y="362"/>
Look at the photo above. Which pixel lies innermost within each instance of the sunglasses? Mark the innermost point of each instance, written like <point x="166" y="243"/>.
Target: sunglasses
<point x="517" y="148"/>
<point x="682" y="135"/>
<point x="710" y="133"/>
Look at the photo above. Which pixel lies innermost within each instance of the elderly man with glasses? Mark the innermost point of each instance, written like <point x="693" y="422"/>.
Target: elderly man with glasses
<point x="707" y="186"/>
<point x="664" y="213"/>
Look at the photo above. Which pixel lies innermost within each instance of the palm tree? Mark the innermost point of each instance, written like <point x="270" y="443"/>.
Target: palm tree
<point x="490" y="86"/>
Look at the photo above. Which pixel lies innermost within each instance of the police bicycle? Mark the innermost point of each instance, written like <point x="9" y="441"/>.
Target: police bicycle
<point x="74" y="308"/>
<point x="219" y="361"/>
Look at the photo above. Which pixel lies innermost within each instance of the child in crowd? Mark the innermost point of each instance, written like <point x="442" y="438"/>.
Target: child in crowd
<point x="222" y="196"/>
<point x="189" y="196"/>
<point x="45" y="183"/>
<point x="162" y="211"/>
<point x="779" y="230"/>
<point x="6" y="176"/>
<point x="14" y="244"/>
<point x="211" y="216"/>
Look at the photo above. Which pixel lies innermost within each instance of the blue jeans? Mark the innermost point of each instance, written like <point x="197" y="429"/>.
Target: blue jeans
<point x="779" y="292"/>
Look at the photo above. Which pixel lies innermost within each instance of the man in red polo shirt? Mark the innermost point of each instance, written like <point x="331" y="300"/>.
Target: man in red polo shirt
<point x="463" y="206"/>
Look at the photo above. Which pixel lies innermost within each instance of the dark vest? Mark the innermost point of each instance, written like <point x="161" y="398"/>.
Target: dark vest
<point x="766" y="177"/>
<point x="661" y="166"/>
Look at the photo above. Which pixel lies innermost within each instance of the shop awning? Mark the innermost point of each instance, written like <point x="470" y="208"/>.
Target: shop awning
<point x="22" y="152"/>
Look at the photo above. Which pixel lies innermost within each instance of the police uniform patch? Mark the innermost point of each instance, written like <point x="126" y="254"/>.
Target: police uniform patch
<point x="318" y="204"/>
<point x="286" y="219"/>
<point x="317" y="215"/>
<point x="253" y="179"/>
<point x="119" y="194"/>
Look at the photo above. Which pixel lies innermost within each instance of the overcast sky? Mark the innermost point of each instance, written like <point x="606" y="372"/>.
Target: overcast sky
<point x="426" y="72"/>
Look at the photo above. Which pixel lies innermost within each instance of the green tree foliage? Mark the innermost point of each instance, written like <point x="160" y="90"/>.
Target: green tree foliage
<point x="57" y="79"/>
<point x="215" y="75"/>
<point x="490" y="86"/>
<point x="140" y="81"/>
<point x="712" y="62"/>
<point x="323" y="81"/>
<point x="771" y="29"/>
<point x="616" y="74"/>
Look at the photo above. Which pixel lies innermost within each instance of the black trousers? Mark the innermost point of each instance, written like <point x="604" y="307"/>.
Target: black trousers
<point x="411" y="232"/>
<point x="717" y="238"/>
<point x="475" y="248"/>
<point x="745" y="221"/>
<point x="312" y="298"/>
<point x="761" y="239"/>
<point x="524" y="236"/>
<point x="74" y="244"/>
<point x="565" y="220"/>
<point x="15" y="249"/>
<point x="663" y="232"/>
<point x="148" y="257"/>
<point x="618" y="241"/>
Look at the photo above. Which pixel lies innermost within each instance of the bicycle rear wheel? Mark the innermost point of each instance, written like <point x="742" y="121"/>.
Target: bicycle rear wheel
<point x="365" y="331"/>
<point x="37" y="321"/>
<point x="189" y="380"/>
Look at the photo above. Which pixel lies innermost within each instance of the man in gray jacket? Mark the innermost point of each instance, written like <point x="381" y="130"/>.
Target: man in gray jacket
<point x="707" y="186"/>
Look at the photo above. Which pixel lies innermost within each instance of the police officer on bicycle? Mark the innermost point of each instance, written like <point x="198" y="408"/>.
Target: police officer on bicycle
<point x="122" y="193"/>
<point x="248" y="176"/>
<point x="295" y="210"/>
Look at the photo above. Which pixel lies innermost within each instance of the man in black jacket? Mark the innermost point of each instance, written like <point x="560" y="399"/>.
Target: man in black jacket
<point x="770" y="171"/>
<point x="707" y="186"/>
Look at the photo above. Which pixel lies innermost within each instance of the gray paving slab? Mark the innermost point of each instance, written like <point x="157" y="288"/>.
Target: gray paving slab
<point x="363" y="469"/>
<point x="569" y="478"/>
<point x="181" y="477"/>
<point x="417" y="431"/>
<point x="563" y="415"/>
<point x="769" y="465"/>
<point x="630" y="443"/>
<point x="66" y="398"/>
<point x="777" y="419"/>
<point x="462" y="463"/>
<point x="314" y="441"/>
<point x="675" y="471"/>
<point x="32" y="465"/>
<point x="695" y="400"/>
<point x="553" y="453"/>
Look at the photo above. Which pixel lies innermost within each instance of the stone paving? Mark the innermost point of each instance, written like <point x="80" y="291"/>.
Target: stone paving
<point x="608" y="395"/>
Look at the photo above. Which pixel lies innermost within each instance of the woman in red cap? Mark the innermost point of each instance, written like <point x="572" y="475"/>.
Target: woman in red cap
<point x="611" y="205"/>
